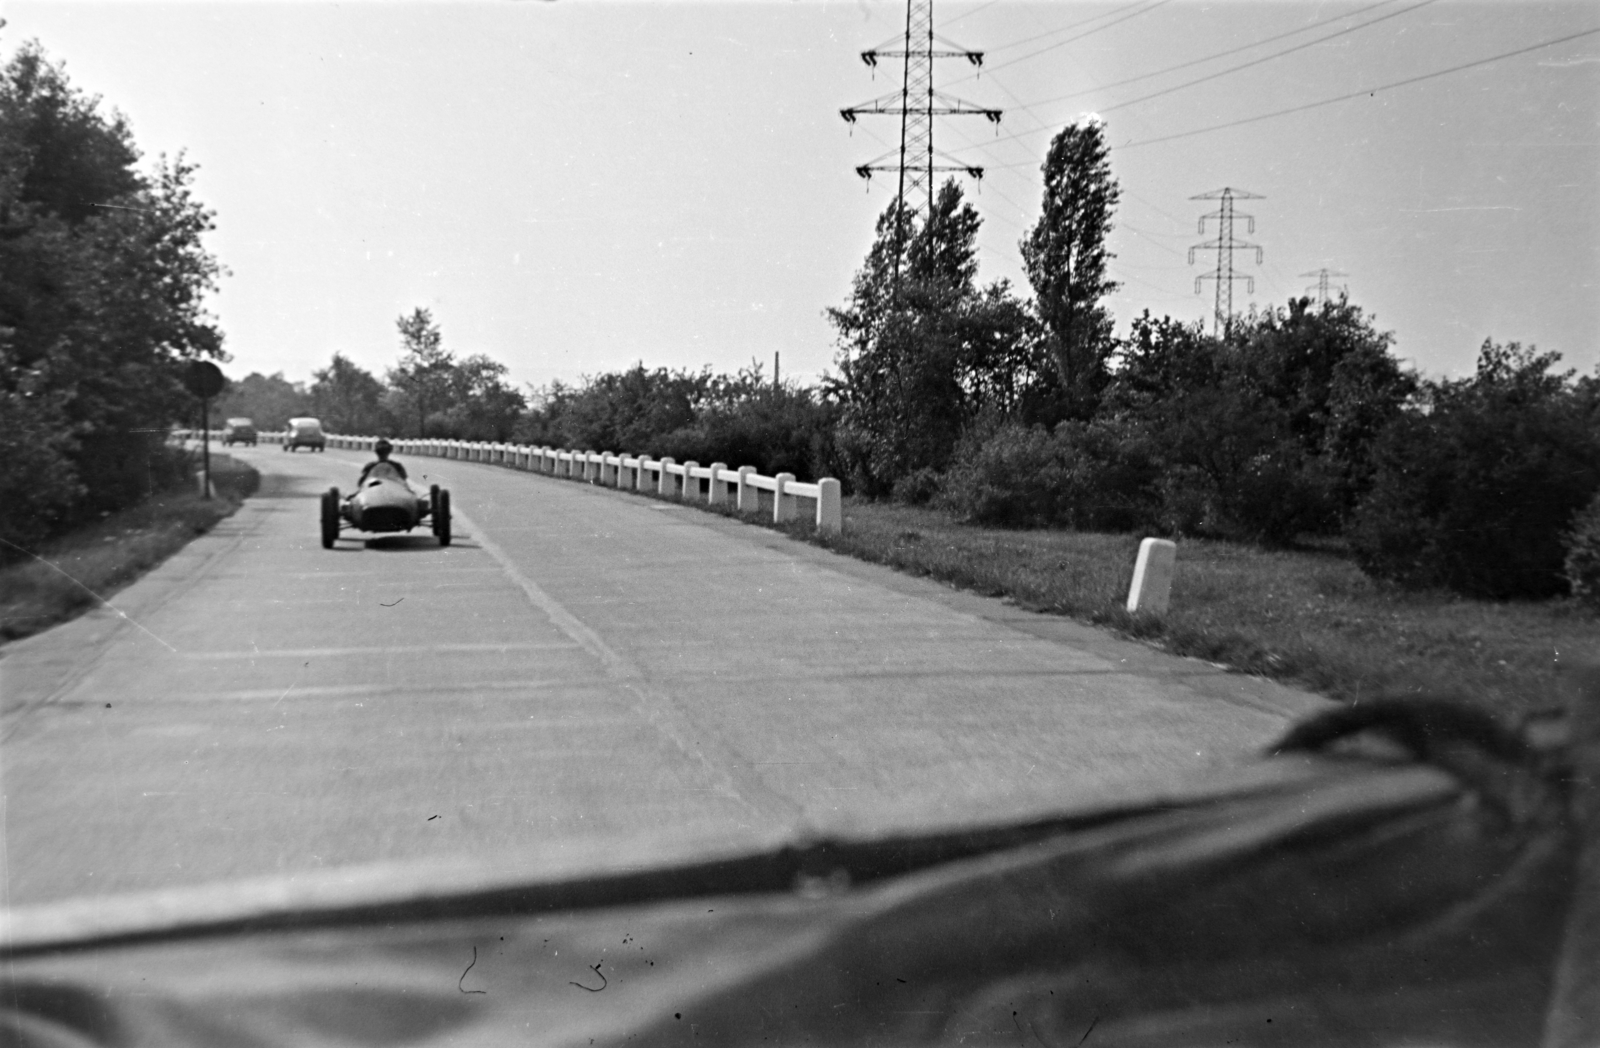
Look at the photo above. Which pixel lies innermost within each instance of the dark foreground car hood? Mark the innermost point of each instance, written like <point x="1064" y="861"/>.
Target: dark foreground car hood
<point x="1307" y="900"/>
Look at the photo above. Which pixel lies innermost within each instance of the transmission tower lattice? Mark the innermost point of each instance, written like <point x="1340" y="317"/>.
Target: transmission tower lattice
<point x="916" y="104"/>
<point x="1324" y="279"/>
<point x="1225" y="245"/>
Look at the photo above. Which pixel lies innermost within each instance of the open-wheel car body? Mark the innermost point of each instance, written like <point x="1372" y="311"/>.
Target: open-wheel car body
<point x="385" y="503"/>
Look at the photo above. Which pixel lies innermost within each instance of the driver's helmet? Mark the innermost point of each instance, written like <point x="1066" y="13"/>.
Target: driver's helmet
<point x="382" y="447"/>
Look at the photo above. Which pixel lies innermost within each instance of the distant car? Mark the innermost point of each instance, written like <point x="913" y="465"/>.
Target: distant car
<point x="239" y="431"/>
<point x="305" y="433"/>
<point x="385" y="502"/>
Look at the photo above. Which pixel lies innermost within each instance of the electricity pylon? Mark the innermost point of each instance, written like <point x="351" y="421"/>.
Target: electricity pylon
<point x="1321" y="286"/>
<point x="916" y="104"/>
<point x="1225" y="245"/>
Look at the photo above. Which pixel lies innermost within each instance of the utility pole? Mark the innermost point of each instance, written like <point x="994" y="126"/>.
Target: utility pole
<point x="1225" y="245"/>
<point x="1321" y="286"/>
<point x="916" y="104"/>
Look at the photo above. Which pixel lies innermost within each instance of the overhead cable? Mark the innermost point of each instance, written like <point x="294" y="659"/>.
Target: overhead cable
<point x="1265" y="58"/>
<point x="1217" y="55"/>
<point x="1364" y="91"/>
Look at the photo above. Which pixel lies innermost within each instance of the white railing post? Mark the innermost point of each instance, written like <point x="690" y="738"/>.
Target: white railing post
<point x="748" y="499"/>
<point x="664" y="483"/>
<point x="782" y="504"/>
<point x="691" y="484"/>
<point x="830" y="507"/>
<point x="605" y="470"/>
<point x="1152" y="576"/>
<point x="715" y="495"/>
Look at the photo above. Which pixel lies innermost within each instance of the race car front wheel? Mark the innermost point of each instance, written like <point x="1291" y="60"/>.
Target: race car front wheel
<point x="330" y="518"/>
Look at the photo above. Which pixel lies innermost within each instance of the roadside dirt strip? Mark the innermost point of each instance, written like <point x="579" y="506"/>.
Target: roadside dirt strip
<point x="582" y="671"/>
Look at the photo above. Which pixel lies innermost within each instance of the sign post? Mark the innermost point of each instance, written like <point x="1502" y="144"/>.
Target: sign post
<point x="204" y="379"/>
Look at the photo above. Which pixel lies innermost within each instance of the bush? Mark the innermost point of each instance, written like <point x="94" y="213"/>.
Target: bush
<point x="1276" y="495"/>
<point x="1011" y="476"/>
<point x="1475" y="495"/>
<point x="38" y="485"/>
<point x="1583" y="555"/>
<point x="1093" y="476"/>
<point x="919" y="487"/>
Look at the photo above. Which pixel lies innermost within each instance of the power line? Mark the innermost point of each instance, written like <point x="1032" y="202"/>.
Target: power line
<point x="1225" y="72"/>
<point x="975" y="10"/>
<point x="1363" y="91"/>
<point x="1264" y="58"/>
<point x="1225" y="245"/>
<point x="1068" y="27"/>
<point x="1071" y="39"/>
<point x="1232" y="69"/>
<point x="1217" y="55"/>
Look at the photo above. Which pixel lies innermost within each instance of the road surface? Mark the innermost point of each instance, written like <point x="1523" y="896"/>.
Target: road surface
<point x="582" y="673"/>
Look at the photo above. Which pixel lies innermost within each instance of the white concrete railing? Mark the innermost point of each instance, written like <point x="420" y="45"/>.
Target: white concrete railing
<point x="715" y="484"/>
<point x="1152" y="575"/>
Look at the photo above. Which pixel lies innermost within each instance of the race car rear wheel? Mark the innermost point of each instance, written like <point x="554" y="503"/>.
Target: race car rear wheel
<point x="441" y="517"/>
<point x="330" y="518"/>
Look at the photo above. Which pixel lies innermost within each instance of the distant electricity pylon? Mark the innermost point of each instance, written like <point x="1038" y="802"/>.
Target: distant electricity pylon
<point x="916" y="104"/>
<point x="1225" y="245"/>
<point x="1321" y="287"/>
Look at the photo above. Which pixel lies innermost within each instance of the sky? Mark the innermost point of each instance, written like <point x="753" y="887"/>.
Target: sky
<point x="575" y="186"/>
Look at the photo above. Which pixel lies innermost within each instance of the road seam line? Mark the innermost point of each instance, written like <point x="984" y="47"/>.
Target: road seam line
<point x="656" y="706"/>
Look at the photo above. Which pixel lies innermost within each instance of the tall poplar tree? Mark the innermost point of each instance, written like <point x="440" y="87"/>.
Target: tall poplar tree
<point x="1065" y="256"/>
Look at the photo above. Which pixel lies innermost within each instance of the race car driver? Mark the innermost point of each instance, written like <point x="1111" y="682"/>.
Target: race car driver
<point x="382" y="449"/>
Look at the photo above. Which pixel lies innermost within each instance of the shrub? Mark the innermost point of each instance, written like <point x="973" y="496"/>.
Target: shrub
<point x="1475" y="494"/>
<point x="1583" y="555"/>
<point x="919" y="487"/>
<point x="38" y="485"/>
<point x="1094" y="476"/>
<point x="1011" y="475"/>
<point x="1271" y="498"/>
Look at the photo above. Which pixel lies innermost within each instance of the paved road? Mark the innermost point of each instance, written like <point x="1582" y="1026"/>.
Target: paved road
<point x="582" y="673"/>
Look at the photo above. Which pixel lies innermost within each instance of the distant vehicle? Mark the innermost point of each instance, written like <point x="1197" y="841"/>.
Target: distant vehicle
<point x="305" y="433"/>
<point x="239" y="431"/>
<point x="385" y="502"/>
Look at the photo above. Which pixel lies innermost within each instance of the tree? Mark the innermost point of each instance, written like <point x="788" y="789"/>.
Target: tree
<point x="1065" y="257"/>
<point x="103" y="281"/>
<point x="348" y="398"/>
<point x="268" y="400"/>
<point x="922" y="356"/>
<point x="426" y="373"/>
<point x="486" y="407"/>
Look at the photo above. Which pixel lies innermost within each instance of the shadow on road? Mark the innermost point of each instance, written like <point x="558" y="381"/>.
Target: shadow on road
<point x="400" y="543"/>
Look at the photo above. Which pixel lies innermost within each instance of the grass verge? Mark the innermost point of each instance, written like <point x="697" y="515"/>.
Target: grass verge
<point x="80" y="569"/>
<point x="1308" y="618"/>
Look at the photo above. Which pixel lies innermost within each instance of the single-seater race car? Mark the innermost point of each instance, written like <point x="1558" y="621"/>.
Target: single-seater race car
<point x="385" y="502"/>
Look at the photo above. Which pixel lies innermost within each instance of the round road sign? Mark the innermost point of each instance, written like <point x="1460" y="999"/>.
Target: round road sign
<point x="203" y="379"/>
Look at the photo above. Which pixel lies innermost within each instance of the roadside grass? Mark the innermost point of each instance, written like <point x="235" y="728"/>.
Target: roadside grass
<point x="1304" y="617"/>
<point x="72" y="573"/>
